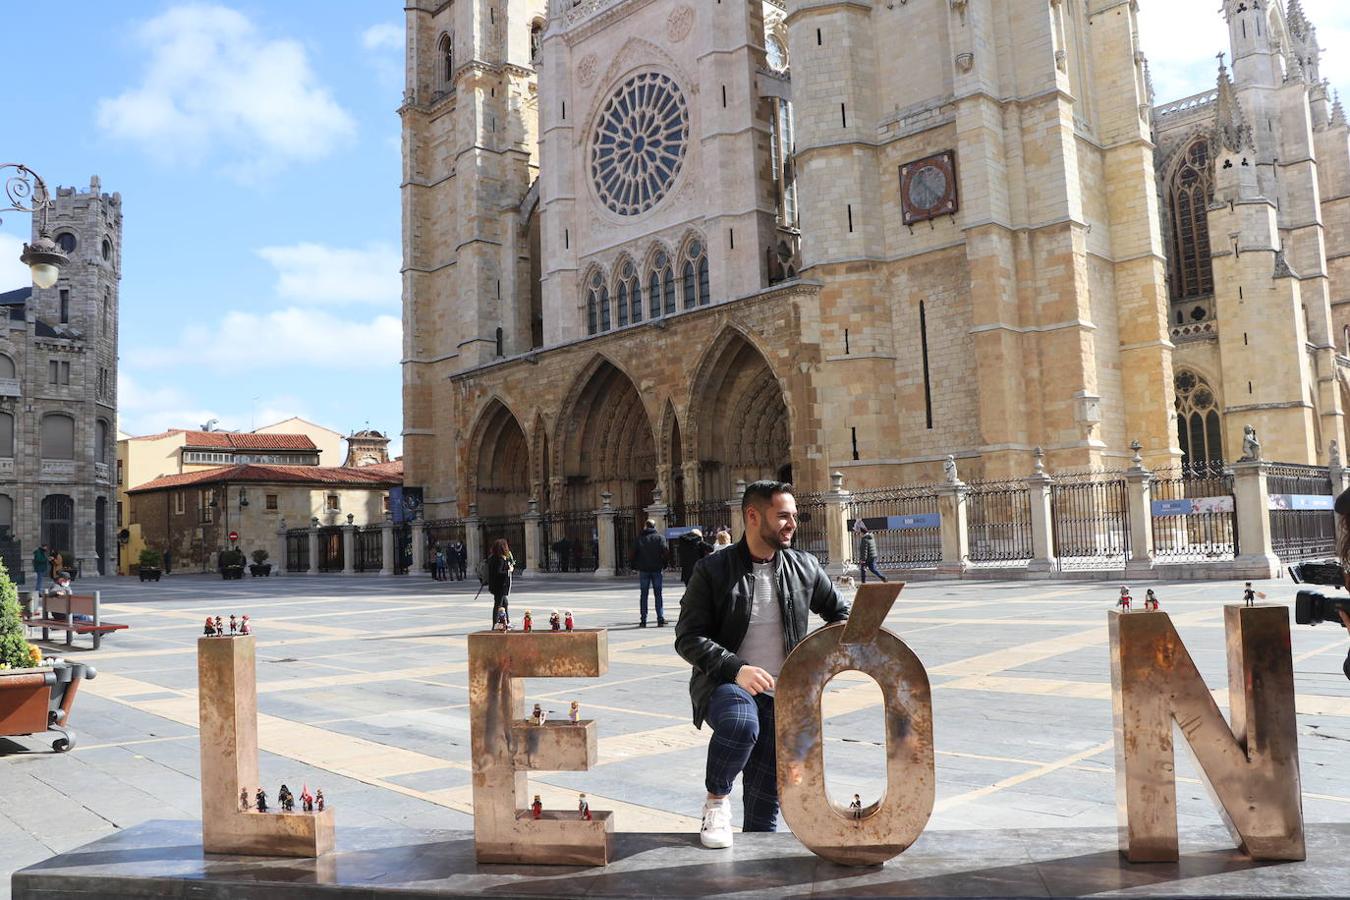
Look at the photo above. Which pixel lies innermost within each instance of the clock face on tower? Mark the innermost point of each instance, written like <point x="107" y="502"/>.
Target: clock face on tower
<point x="639" y="143"/>
<point x="928" y="187"/>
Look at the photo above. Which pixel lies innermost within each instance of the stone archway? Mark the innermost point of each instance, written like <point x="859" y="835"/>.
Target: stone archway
<point x="606" y="442"/>
<point x="741" y="417"/>
<point x="501" y="463"/>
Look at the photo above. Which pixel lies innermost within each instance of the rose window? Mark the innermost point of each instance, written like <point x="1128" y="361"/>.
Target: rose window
<point x="639" y="143"/>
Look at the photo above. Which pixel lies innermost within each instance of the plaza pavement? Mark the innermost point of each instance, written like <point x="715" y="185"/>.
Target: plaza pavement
<point x="362" y="691"/>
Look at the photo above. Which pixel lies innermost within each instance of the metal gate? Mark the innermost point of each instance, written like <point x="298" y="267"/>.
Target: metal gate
<point x="902" y="548"/>
<point x="1204" y="527"/>
<point x="510" y="528"/>
<point x="330" y="549"/>
<point x="998" y="519"/>
<point x="369" y="545"/>
<point x="1299" y="533"/>
<point x="441" y="533"/>
<point x="627" y="525"/>
<point x="1091" y="518"/>
<point x="569" y="542"/>
<point x="297" y="550"/>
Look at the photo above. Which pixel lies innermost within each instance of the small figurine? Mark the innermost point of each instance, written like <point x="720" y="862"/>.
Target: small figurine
<point x="286" y="799"/>
<point x="210" y="629"/>
<point x="1125" y="600"/>
<point x="1249" y="596"/>
<point x="529" y="621"/>
<point x="1150" y="601"/>
<point x="502" y="623"/>
<point x="234" y="624"/>
<point x="584" y="808"/>
<point x="306" y="799"/>
<point x="856" y="807"/>
<point x="567" y="622"/>
<point x="243" y="799"/>
<point x="539" y="716"/>
<point x="575" y="712"/>
<point x="318" y="799"/>
<point x="554" y="622"/>
<point x="537" y="807"/>
<point x="243" y="624"/>
<point x="220" y="627"/>
<point x="261" y="800"/>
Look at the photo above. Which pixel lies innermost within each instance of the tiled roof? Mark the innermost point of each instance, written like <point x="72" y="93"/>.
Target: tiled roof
<point x="383" y="475"/>
<point x="234" y="440"/>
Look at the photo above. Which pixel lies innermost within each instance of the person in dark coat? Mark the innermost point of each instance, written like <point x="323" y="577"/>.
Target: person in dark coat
<point x="867" y="549"/>
<point x="499" y="570"/>
<point x="649" y="558"/>
<point x="691" y="548"/>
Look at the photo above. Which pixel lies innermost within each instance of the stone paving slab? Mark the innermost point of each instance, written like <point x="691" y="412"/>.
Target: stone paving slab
<point x="164" y="858"/>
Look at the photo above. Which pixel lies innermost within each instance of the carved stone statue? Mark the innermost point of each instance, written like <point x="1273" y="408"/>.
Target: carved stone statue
<point x="1251" y="447"/>
<point x="949" y="469"/>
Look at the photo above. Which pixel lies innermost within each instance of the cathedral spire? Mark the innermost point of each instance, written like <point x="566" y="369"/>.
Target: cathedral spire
<point x="1337" y="111"/>
<point x="1232" y="133"/>
<point x="1296" y="21"/>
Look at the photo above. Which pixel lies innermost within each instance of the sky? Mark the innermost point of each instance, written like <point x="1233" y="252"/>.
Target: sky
<point x="256" y="148"/>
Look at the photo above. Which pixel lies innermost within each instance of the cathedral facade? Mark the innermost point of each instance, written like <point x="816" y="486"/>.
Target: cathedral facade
<point x="652" y="247"/>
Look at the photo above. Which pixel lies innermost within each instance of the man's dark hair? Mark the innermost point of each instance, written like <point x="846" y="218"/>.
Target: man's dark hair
<point x="761" y="493"/>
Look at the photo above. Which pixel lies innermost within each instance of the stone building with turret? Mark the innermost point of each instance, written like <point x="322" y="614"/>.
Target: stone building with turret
<point x="652" y="247"/>
<point x="58" y="393"/>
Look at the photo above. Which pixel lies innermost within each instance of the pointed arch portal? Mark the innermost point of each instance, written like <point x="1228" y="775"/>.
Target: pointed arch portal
<point x="502" y="466"/>
<point x="608" y="443"/>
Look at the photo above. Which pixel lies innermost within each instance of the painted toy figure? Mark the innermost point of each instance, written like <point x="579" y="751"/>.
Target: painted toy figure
<point x="537" y="807"/>
<point x="210" y="629"/>
<point x="243" y="799"/>
<point x="243" y="624"/>
<point x="260" y="799"/>
<point x="1150" y="601"/>
<point x="1125" y="599"/>
<point x="502" y="623"/>
<point x="856" y="807"/>
<point x="539" y="716"/>
<point x="318" y="799"/>
<point x="286" y="799"/>
<point x="528" y="623"/>
<point x="567" y="620"/>
<point x="306" y="799"/>
<point x="1248" y="595"/>
<point x="584" y="808"/>
<point x="234" y="624"/>
<point x="220" y="627"/>
<point x="575" y="712"/>
<point x="554" y="622"/>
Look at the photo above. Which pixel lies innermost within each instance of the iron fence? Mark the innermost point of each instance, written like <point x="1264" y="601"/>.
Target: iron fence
<point x="916" y="544"/>
<point x="998" y="520"/>
<point x="1202" y="530"/>
<point x="368" y="542"/>
<point x="812" y="532"/>
<point x="330" y="549"/>
<point x="1299" y="533"/>
<point x="706" y="515"/>
<point x="441" y="533"/>
<point x="297" y="550"/>
<point x="1090" y="513"/>
<point x="402" y="549"/>
<point x="509" y="527"/>
<point x="627" y="525"/>
<point x="569" y="542"/>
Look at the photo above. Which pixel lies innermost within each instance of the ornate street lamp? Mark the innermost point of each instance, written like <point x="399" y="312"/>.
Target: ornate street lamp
<point x="27" y="192"/>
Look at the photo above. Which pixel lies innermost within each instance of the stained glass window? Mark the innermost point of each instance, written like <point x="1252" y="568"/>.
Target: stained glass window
<point x="639" y="143"/>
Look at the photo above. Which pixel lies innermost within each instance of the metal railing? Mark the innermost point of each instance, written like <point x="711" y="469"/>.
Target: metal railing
<point x="1201" y="530"/>
<point x="568" y="542"/>
<point x="1299" y="533"/>
<point x="511" y="528"/>
<point x="440" y="533"/>
<point x="627" y="525"/>
<point x="1090" y="514"/>
<point x="812" y="533"/>
<point x="297" y="550"/>
<point x="330" y="549"/>
<point x="907" y="548"/>
<point x="705" y="515"/>
<point x="998" y="521"/>
<point x="368" y="544"/>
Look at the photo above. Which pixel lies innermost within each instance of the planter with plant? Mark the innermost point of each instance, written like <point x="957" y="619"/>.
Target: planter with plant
<point x="260" y="565"/>
<point x="232" y="564"/>
<point x="35" y="694"/>
<point x="151" y="565"/>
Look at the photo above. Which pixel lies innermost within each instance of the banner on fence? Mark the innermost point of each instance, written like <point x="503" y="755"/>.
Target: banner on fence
<point x="1192" y="506"/>
<point x="897" y="523"/>
<point x="1302" y="501"/>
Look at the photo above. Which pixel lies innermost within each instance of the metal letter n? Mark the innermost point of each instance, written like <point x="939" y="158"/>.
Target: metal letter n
<point x="1251" y="770"/>
<point x="505" y="746"/>
<point x="886" y="828"/>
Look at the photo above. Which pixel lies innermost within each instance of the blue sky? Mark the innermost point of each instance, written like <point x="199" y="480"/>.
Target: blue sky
<point x="257" y="152"/>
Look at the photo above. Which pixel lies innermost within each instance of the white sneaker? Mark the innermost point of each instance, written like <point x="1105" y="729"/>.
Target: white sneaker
<point x="716" y="831"/>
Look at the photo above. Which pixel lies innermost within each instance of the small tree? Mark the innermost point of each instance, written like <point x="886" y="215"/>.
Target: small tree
<point x="260" y="556"/>
<point x="151" y="559"/>
<point x="14" y="653"/>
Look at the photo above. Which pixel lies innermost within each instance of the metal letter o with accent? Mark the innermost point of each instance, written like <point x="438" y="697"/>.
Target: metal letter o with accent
<point x="888" y="827"/>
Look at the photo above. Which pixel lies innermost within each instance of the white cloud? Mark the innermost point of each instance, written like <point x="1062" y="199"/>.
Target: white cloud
<point x="383" y="45"/>
<point x="318" y="274"/>
<point x="13" y="274"/>
<point x="213" y="84"/>
<point x="150" y="409"/>
<point x="385" y="36"/>
<point x="298" y="341"/>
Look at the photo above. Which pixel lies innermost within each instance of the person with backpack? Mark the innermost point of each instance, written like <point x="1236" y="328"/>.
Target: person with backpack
<point x="497" y="575"/>
<point x="438" y="571"/>
<point x="867" y="550"/>
<point x="691" y="548"/>
<point x="41" y="565"/>
<point x="649" y="558"/>
<point x="458" y="557"/>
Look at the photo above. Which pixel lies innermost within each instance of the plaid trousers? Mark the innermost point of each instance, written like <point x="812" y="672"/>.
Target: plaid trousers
<point x="744" y="742"/>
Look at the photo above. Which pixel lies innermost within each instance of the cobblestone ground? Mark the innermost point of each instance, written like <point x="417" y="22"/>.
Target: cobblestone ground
<point x="362" y="691"/>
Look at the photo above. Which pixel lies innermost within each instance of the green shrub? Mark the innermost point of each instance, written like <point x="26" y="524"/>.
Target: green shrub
<point x="151" y="559"/>
<point x="231" y="558"/>
<point x="259" y="556"/>
<point x="14" y="652"/>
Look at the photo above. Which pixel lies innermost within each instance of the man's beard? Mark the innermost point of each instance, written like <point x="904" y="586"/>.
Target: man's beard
<point x="772" y="538"/>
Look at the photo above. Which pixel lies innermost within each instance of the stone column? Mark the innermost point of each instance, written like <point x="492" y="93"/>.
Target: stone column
<point x="1255" y="553"/>
<point x="836" y="527"/>
<point x="349" y="549"/>
<point x="604" y="527"/>
<point x="534" y="547"/>
<point x="314" y="546"/>
<point x="953" y="527"/>
<point x="1139" y="496"/>
<point x="419" y="547"/>
<point x="738" y="520"/>
<point x="658" y="511"/>
<point x="387" y="548"/>
<point x="473" y="540"/>
<point x="280" y="568"/>
<point x="1042" y="527"/>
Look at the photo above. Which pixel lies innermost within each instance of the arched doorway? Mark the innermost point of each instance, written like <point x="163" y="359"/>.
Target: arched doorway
<point x="502" y="464"/>
<point x="101" y="533"/>
<point x="58" y="518"/>
<point x="607" y="444"/>
<point x="742" y="419"/>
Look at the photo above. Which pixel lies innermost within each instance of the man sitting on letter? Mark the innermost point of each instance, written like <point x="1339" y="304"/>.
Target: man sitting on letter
<point x="742" y="613"/>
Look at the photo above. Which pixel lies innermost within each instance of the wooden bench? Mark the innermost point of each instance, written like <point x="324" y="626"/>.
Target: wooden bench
<point x="70" y="606"/>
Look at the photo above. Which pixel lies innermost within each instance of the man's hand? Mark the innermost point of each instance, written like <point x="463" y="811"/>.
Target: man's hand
<point x="1345" y="620"/>
<point x="754" y="680"/>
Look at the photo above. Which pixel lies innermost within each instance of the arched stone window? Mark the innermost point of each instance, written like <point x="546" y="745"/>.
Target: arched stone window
<point x="536" y="39"/>
<point x="445" y="52"/>
<point x="6" y="435"/>
<point x="621" y="298"/>
<point x="1189" y="190"/>
<point x="593" y="303"/>
<point x="1199" y="430"/>
<point x="605" y="323"/>
<point x="661" y="286"/>
<point x="58" y="515"/>
<point x="101" y="441"/>
<point x="58" y="436"/>
<point x="6" y="366"/>
<point x="1345" y="340"/>
<point x="694" y="276"/>
<point x="631" y="288"/>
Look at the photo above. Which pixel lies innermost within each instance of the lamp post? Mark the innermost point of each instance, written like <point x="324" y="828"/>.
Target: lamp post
<point x="27" y="192"/>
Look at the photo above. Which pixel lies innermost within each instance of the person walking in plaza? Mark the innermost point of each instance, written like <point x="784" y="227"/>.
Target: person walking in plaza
<point x="458" y="558"/>
<point x="867" y="551"/>
<point x="438" y="565"/>
<point x="649" y="558"/>
<point x="691" y="548"/>
<point x="499" y="568"/>
<point x="742" y="613"/>
<point x="41" y="565"/>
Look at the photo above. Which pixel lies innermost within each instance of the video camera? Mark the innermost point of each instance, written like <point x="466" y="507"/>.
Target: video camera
<point x="1318" y="571"/>
<point x="1310" y="607"/>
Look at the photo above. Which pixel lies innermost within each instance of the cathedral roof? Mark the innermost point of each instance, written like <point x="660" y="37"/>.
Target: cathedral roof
<point x="382" y="475"/>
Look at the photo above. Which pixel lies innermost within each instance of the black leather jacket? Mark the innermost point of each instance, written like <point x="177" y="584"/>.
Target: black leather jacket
<point x="715" y="613"/>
